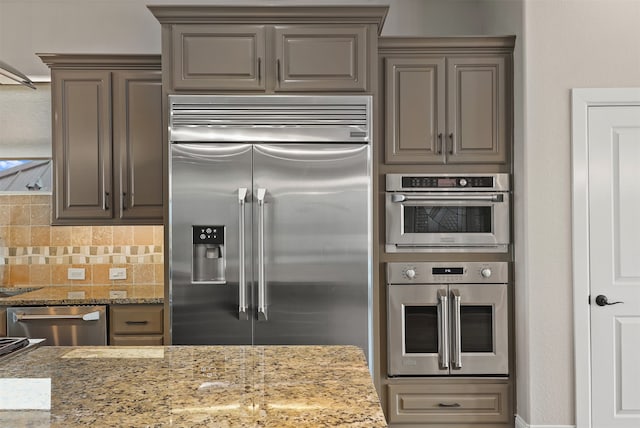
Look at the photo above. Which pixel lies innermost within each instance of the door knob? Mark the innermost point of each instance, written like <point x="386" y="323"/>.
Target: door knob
<point x="601" y="300"/>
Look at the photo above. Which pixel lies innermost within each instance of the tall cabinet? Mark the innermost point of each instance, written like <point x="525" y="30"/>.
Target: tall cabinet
<point x="446" y="107"/>
<point x="107" y="138"/>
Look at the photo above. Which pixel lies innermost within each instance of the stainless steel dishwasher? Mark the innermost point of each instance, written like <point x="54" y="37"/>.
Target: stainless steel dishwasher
<point x="60" y="325"/>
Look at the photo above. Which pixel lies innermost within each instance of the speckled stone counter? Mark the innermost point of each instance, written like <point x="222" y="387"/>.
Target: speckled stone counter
<point x="88" y="295"/>
<point x="200" y="386"/>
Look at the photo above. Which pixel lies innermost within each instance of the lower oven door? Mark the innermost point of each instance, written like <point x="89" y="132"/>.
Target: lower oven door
<point x="447" y="329"/>
<point x="431" y="221"/>
<point x="59" y="325"/>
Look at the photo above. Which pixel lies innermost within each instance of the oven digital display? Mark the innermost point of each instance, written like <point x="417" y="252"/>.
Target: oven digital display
<point x="447" y="182"/>
<point x="447" y="271"/>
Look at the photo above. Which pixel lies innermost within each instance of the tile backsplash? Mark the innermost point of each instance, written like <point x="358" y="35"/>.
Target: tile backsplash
<point x="34" y="253"/>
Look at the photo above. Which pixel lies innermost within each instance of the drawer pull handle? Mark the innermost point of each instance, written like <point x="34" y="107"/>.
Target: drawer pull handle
<point x="136" y="322"/>
<point x="449" y="405"/>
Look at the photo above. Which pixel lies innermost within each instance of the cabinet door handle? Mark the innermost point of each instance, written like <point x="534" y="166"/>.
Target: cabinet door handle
<point x="124" y="201"/>
<point x="136" y="322"/>
<point x="278" y="70"/>
<point x="449" y="405"/>
<point x="259" y="69"/>
<point x="105" y="204"/>
<point x="451" y="143"/>
<point x="439" y="146"/>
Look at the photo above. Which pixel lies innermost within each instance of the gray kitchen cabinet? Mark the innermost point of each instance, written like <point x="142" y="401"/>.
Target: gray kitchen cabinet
<point x="107" y="139"/>
<point x="478" y="403"/>
<point x="270" y="50"/>
<point x="136" y="325"/>
<point x="447" y="101"/>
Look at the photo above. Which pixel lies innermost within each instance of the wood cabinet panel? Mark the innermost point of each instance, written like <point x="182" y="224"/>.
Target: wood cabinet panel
<point x="328" y="58"/>
<point x="225" y="57"/>
<point x="137" y="124"/>
<point x="477" y="116"/>
<point x="136" y="325"/>
<point x="447" y="101"/>
<point x="82" y="144"/>
<point x="414" y="106"/>
<point x="107" y="139"/>
<point x="474" y="403"/>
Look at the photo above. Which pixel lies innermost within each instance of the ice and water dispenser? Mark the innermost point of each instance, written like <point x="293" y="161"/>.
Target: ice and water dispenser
<point x="209" y="255"/>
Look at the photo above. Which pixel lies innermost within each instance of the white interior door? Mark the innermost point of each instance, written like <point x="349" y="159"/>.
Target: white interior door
<point x="614" y="253"/>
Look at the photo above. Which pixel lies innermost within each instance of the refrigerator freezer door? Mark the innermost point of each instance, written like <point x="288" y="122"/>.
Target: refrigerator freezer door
<point x="207" y="182"/>
<point x="314" y="233"/>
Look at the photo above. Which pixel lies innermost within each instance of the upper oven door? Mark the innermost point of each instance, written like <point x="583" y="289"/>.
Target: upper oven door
<point x="446" y="220"/>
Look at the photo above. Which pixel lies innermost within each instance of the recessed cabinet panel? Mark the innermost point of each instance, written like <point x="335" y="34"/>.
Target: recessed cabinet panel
<point x="477" y="109"/>
<point x="321" y="58"/>
<point x="218" y="57"/>
<point x="414" y="107"/>
<point x="82" y="154"/>
<point x="425" y="404"/>
<point x="137" y="120"/>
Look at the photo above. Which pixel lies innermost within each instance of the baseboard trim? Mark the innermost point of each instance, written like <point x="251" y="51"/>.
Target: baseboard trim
<point x="520" y="423"/>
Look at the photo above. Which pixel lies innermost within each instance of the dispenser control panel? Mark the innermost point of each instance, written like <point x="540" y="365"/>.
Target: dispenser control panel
<point x="208" y="234"/>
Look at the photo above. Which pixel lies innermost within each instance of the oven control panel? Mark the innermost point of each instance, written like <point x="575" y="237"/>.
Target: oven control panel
<point x="447" y="182"/>
<point x="447" y="272"/>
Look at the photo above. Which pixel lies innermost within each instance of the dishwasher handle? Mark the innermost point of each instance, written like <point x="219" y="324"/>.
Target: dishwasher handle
<point x="89" y="316"/>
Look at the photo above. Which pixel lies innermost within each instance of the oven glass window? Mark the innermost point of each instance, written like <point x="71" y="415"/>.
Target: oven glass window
<point x="442" y="219"/>
<point x="421" y="329"/>
<point x="476" y="328"/>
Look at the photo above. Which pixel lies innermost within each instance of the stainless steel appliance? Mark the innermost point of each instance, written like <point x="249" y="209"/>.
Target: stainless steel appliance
<point x="13" y="346"/>
<point x="270" y="219"/>
<point x="447" y="318"/>
<point x="59" y="325"/>
<point x="443" y="212"/>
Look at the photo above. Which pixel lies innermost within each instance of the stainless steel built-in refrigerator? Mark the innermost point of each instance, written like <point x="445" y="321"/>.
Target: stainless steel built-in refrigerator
<point x="270" y="220"/>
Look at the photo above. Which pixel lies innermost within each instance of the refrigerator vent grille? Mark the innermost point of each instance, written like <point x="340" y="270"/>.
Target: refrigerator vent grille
<point x="222" y="115"/>
<point x="269" y="118"/>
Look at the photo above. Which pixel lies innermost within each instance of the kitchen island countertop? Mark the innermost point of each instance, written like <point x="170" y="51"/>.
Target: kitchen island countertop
<point x="199" y="386"/>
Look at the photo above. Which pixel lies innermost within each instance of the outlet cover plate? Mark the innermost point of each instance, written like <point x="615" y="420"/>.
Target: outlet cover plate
<point x="75" y="273"/>
<point x="117" y="273"/>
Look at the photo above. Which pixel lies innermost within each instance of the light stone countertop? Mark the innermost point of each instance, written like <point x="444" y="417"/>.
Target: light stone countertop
<point x="199" y="386"/>
<point x="88" y="295"/>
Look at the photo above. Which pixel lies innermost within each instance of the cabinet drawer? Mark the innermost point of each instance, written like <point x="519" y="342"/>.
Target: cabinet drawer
<point x="136" y="319"/>
<point x="459" y="403"/>
<point x="136" y="340"/>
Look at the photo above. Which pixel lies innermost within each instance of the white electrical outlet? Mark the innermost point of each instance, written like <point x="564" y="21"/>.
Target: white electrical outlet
<point x="117" y="273"/>
<point x="75" y="273"/>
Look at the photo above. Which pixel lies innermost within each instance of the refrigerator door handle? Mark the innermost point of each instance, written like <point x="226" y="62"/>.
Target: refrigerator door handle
<point x="457" y="338"/>
<point x="262" y="291"/>
<point x="242" y="281"/>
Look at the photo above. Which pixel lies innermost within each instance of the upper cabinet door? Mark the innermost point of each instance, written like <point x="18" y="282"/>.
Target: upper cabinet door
<point x="221" y="57"/>
<point x="82" y="144"/>
<point x="137" y="144"/>
<point x="414" y="110"/>
<point x="477" y="110"/>
<point x="321" y="58"/>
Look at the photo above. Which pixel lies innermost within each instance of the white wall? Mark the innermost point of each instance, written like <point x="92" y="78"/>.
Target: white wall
<point x="126" y="26"/>
<point x="569" y="43"/>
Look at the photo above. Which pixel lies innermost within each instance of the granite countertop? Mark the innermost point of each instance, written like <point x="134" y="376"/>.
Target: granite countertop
<point x="87" y="295"/>
<point x="199" y="386"/>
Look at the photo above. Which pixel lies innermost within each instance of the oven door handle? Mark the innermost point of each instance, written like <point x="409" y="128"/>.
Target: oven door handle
<point x="397" y="197"/>
<point x="443" y="329"/>
<point x="456" y="345"/>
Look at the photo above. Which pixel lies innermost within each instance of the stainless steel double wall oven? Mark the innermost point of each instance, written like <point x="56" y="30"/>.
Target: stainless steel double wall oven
<point x="448" y="315"/>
